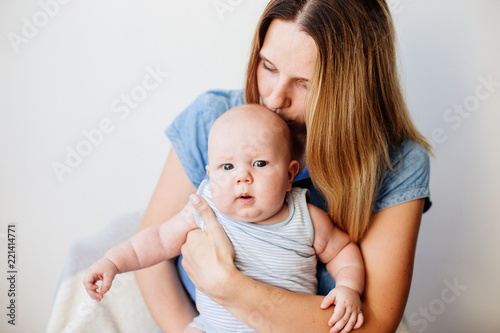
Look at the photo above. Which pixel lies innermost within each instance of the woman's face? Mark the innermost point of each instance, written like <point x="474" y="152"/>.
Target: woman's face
<point x="286" y="65"/>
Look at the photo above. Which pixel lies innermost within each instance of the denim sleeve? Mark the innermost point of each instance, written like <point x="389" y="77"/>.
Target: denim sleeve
<point x="189" y="131"/>
<point x="409" y="180"/>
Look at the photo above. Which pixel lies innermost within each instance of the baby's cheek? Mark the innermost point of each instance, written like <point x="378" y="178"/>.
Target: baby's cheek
<point x="217" y="188"/>
<point x="221" y="203"/>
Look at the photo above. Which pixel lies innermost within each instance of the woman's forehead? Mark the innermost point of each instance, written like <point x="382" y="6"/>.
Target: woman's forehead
<point x="290" y="49"/>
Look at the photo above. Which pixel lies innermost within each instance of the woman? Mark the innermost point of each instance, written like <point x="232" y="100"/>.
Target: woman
<point x="328" y="68"/>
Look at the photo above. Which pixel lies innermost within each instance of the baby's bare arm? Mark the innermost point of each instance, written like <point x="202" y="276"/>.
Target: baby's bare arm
<point x="344" y="262"/>
<point x="334" y="248"/>
<point x="154" y="244"/>
<point x="146" y="248"/>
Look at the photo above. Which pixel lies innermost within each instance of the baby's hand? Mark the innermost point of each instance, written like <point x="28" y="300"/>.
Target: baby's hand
<point x="103" y="270"/>
<point x="347" y="314"/>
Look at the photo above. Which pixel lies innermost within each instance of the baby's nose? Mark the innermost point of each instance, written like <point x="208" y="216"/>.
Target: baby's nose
<point x="244" y="176"/>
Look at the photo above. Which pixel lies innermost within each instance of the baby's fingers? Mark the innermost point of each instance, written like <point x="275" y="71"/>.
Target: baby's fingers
<point x="350" y="320"/>
<point x="92" y="291"/>
<point x="328" y="300"/>
<point x="89" y="281"/>
<point x="337" y="317"/>
<point x="360" y="320"/>
<point x="106" y="283"/>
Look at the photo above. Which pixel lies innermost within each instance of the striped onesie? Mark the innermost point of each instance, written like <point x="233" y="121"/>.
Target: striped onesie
<point x="279" y="254"/>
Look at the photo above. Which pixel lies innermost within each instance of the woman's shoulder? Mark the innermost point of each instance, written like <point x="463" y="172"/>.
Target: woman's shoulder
<point x="216" y="101"/>
<point x="204" y="110"/>
<point x="411" y="150"/>
<point x="407" y="178"/>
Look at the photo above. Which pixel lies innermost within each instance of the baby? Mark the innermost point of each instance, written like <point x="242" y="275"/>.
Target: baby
<point x="276" y="234"/>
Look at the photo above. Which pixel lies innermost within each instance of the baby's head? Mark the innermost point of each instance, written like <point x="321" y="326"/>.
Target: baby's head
<point x="250" y="165"/>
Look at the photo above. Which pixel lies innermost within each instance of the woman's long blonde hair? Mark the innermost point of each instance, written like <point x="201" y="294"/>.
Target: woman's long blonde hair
<point x="355" y="113"/>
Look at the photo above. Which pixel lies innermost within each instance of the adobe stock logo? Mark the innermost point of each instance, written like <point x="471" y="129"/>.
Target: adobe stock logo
<point x="223" y="6"/>
<point x="30" y="27"/>
<point x="437" y="306"/>
<point x="456" y="115"/>
<point x="94" y="137"/>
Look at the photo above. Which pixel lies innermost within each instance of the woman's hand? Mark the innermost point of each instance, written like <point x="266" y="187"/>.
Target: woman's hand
<point x="208" y="255"/>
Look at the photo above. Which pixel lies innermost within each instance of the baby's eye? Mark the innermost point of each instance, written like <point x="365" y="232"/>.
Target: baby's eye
<point x="227" y="166"/>
<point x="260" y="164"/>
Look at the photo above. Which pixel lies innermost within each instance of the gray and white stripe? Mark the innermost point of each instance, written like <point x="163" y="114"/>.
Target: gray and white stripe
<point x="279" y="254"/>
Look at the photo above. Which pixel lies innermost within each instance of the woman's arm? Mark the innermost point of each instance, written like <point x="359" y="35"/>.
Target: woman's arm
<point x="388" y="249"/>
<point x="160" y="286"/>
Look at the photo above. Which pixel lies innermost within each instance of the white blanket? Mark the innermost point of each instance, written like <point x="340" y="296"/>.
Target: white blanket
<point x="122" y="310"/>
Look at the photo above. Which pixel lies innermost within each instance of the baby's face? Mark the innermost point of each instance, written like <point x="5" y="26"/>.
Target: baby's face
<point x="250" y="169"/>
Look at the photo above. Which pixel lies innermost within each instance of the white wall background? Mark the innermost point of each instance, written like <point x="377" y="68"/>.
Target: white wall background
<point x="61" y="77"/>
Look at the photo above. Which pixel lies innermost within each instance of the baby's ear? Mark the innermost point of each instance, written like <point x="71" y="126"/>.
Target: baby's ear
<point x="293" y="169"/>
<point x="208" y="170"/>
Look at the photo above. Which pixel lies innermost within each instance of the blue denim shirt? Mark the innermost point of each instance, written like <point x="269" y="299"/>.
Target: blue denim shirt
<point x="189" y="137"/>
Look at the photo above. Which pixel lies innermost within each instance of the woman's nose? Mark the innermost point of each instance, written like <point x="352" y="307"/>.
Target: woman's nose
<point x="278" y="99"/>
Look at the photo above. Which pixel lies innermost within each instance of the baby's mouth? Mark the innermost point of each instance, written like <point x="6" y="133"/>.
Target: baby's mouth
<point x="245" y="198"/>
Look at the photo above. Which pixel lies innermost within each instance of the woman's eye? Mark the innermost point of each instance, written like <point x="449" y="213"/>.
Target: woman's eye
<point x="227" y="166"/>
<point x="303" y="84"/>
<point x="266" y="67"/>
<point x="260" y="164"/>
